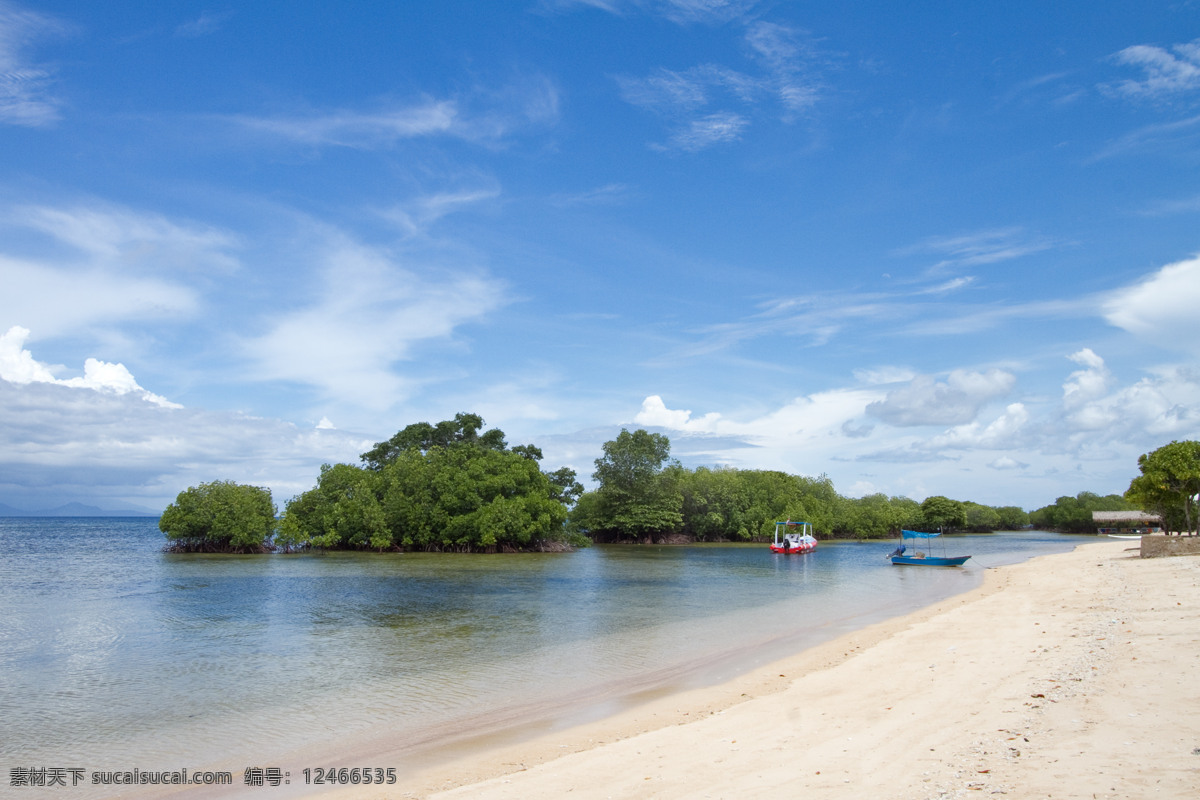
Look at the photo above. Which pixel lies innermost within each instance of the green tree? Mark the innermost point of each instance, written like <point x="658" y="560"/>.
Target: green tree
<point x="1169" y="483"/>
<point x="1012" y="518"/>
<point x="637" y="497"/>
<point x="221" y="516"/>
<point x="715" y="504"/>
<point x="1074" y="514"/>
<point x="981" y="518"/>
<point x="422" y="436"/>
<point x="435" y="487"/>
<point x="943" y="513"/>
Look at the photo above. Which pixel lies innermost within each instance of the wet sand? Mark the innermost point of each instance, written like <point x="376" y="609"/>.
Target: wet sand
<point x="1070" y="676"/>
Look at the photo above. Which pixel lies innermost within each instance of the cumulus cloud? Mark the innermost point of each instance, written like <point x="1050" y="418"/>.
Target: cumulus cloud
<point x="1162" y="308"/>
<point x="25" y="97"/>
<point x="1162" y="405"/>
<point x="957" y="400"/>
<point x="1001" y="433"/>
<point x="17" y="365"/>
<point x="655" y="413"/>
<point x="110" y="448"/>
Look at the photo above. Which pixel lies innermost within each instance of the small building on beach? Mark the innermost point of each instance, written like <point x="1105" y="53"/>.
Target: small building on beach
<point x="1117" y="522"/>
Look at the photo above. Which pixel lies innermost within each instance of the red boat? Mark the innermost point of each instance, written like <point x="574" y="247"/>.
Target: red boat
<point x="793" y="541"/>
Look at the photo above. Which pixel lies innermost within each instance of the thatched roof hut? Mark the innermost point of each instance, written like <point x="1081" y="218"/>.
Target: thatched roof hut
<point x="1118" y="521"/>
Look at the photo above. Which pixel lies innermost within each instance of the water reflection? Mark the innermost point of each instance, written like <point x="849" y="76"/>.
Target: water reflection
<point x="111" y="649"/>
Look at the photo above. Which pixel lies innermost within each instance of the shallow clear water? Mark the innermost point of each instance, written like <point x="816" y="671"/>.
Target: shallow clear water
<point x="114" y="654"/>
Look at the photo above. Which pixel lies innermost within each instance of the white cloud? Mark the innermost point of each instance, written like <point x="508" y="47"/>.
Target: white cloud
<point x="359" y="129"/>
<point x="925" y="401"/>
<point x="1006" y="463"/>
<point x="109" y="449"/>
<point x="17" y="365"/>
<point x="1166" y="71"/>
<point x="203" y="25"/>
<point x="711" y="12"/>
<point x="700" y="134"/>
<point x="367" y="314"/>
<point x="120" y="237"/>
<point x="25" y="98"/>
<point x="883" y="375"/>
<point x="1162" y="405"/>
<point x="101" y="265"/>
<point x="1004" y="432"/>
<point x="1162" y="308"/>
<point x="682" y="12"/>
<point x="697" y="101"/>
<point x="654" y="413"/>
<point x="417" y="215"/>
<point x="485" y="116"/>
<point x="979" y="248"/>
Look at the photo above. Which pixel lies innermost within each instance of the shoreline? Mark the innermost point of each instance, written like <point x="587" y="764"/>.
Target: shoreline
<point x="1059" y="676"/>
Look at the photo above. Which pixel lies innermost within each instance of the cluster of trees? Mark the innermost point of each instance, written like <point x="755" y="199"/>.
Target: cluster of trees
<point x="1074" y="514"/>
<point x="221" y="516"/>
<point x="449" y="486"/>
<point x="1169" y="486"/>
<point x="454" y="486"/>
<point x="642" y="495"/>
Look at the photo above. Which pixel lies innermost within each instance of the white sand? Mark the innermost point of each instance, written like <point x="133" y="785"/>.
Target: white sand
<point x="1071" y="676"/>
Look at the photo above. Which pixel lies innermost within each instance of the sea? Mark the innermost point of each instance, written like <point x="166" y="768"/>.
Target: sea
<point x="117" y="656"/>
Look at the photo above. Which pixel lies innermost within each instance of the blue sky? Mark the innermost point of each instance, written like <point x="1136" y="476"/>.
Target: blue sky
<point x="933" y="249"/>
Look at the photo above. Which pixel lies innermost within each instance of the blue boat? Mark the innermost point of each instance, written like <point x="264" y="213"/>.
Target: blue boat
<point x="901" y="556"/>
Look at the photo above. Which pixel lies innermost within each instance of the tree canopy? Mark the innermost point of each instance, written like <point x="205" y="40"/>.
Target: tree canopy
<point x="462" y="430"/>
<point x="643" y="496"/>
<point x="447" y="486"/>
<point x="221" y="516"/>
<point x="636" y="497"/>
<point x="1074" y="514"/>
<point x="1169" y="484"/>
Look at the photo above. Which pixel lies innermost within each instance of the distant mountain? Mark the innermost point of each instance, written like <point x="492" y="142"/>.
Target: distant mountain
<point x="76" y="510"/>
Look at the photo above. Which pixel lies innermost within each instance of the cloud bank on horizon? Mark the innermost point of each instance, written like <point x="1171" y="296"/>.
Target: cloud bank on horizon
<point x="919" y="251"/>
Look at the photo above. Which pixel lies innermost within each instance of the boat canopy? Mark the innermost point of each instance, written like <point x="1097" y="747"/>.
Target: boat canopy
<point x="792" y="524"/>
<point x="919" y="534"/>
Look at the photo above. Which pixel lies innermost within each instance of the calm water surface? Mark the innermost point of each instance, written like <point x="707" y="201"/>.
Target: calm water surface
<point x="114" y="654"/>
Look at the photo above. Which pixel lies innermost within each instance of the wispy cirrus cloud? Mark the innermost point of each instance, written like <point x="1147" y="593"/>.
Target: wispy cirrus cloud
<point x="417" y="215"/>
<point x="367" y="312"/>
<point x="73" y="267"/>
<point x="484" y="116"/>
<point x="207" y="23"/>
<point x="1165" y="71"/>
<point x="1159" y="136"/>
<point x="978" y="248"/>
<point x="25" y="96"/>
<point x="710" y="104"/>
<point x="683" y="12"/>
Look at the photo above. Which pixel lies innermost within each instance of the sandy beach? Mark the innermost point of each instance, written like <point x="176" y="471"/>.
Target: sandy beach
<point x="1070" y="676"/>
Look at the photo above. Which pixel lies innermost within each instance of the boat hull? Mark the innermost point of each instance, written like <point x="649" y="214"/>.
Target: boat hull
<point x="797" y="549"/>
<point x="929" y="561"/>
